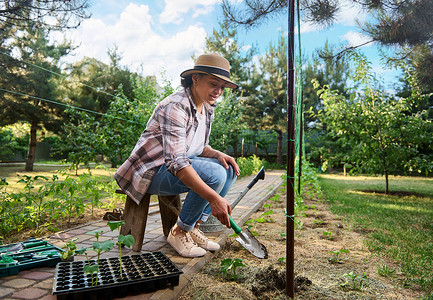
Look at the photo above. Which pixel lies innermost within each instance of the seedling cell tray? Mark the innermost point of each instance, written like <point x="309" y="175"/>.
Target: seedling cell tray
<point x="142" y="273"/>
<point x="29" y="254"/>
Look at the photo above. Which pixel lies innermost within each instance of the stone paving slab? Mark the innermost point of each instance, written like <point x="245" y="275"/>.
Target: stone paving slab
<point x="37" y="283"/>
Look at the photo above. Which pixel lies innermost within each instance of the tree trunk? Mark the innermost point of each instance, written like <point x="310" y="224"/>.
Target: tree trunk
<point x="386" y="182"/>
<point x="32" y="146"/>
<point x="280" y="147"/>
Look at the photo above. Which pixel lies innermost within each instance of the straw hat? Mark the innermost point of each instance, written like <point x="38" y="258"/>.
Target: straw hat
<point x="212" y="64"/>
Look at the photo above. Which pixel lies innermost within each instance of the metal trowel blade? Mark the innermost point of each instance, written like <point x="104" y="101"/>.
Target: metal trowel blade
<point x="249" y="242"/>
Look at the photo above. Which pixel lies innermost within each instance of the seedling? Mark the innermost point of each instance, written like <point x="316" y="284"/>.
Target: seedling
<point x="354" y="281"/>
<point x="327" y="235"/>
<point x="276" y="198"/>
<point x="70" y="248"/>
<point x="336" y="259"/>
<point x="122" y="240"/>
<point x="282" y="260"/>
<point x="98" y="247"/>
<point x="318" y="222"/>
<point x="229" y="266"/>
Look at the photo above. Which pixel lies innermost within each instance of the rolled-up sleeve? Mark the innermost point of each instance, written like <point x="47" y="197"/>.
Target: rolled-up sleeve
<point x="173" y="120"/>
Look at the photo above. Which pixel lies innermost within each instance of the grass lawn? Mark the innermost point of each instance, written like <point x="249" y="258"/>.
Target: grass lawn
<point x="14" y="172"/>
<point x="398" y="226"/>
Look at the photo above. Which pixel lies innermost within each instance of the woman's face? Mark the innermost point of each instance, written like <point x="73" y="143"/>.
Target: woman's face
<point x="207" y="88"/>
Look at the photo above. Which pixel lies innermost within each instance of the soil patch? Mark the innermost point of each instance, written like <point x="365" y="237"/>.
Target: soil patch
<point x="319" y="274"/>
<point x="394" y="193"/>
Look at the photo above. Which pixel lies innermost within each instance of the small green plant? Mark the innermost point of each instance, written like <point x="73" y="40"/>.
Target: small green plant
<point x="122" y="240"/>
<point x="98" y="247"/>
<point x="328" y="235"/>
<point x="276" y="198"/>
<point x="229" y="266"/>
<point x="385" y="271"/>
<point x="318" y="222"/>
<point x="267" y="214"/>
<point x="354" y="281"/>
<point x="70" y="249"/>
<point x="336" y="259"/>
<point x="282" y="260"/>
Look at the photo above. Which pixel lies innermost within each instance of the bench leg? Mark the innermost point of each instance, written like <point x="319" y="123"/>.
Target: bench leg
<point x="169" y="208"/>
<point x="135" y="217"/>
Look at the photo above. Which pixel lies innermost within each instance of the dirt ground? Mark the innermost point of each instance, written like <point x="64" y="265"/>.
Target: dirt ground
<point x="354" y="276"/>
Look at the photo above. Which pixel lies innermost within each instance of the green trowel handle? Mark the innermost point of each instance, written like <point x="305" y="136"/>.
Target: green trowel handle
<point x="234" y="226"/>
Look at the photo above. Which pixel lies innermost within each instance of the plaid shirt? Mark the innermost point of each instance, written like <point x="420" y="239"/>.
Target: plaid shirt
<point x="166" y="139"/>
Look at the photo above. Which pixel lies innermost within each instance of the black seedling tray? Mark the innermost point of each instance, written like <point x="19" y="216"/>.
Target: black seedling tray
<point x="142" y="273"/>
<point x="29" y="254"/>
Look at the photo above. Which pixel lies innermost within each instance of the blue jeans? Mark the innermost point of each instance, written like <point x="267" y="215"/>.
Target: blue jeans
<point x="194" y="207"/>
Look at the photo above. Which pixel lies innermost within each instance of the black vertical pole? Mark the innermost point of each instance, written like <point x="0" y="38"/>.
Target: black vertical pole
<point x="290" y="230"/>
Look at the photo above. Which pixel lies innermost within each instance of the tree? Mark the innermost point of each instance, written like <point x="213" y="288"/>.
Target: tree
<point x="393" y="21"/>
<point x="28" y="87"/>
<point x="268" y="110"/>
<point x="114" y="134"/>
<point x="80" y="139"/>
<point x="53" y="14"/>
<point x="98" y="82"/>
<point x="227" y="124"/>
<point x="126" y="118"/>
<point x="404" y="24"/>
<point x="381" y="132"/>
<point x="326" y="69"/>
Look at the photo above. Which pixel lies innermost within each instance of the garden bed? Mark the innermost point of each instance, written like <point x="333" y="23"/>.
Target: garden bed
<point x="323" y="270"/>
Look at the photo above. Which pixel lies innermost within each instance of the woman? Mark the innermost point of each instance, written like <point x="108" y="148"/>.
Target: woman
<point x="173" y="156"/>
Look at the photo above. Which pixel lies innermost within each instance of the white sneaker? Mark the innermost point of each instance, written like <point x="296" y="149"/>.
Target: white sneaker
<point x="202" y="241"/>
<point x="184" y="245"/>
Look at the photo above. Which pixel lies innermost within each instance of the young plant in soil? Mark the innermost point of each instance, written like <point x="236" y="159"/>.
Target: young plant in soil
<point x="354" y="281"/>
<point x="229" y="266"/>
<point x="122" y="240"/>
<point x="70" y="249"/>
<point x="336" y="259"/>
<point x="98" y="247"/>
<point x="327" y="235"/>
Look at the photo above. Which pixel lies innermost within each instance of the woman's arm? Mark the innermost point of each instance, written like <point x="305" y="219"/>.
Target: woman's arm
<point x="223" y="158"/>
<point x="220" y="207"/>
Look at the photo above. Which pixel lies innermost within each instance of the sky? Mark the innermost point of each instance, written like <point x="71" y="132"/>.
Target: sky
<point x="156" y="37"/>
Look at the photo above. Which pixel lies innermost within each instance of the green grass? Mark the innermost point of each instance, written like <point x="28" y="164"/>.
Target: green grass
<point x="400" y="227"/>
<point x="14" y="172"/>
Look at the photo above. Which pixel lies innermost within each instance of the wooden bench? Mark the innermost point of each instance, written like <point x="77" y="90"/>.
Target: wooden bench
<point x="135" y="216"/>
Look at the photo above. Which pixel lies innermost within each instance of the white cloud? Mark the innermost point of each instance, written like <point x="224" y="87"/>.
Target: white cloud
<point x="356" y="38"/>
<point x="350" y="13"/>
<point x="175" y="11"/>
<point x="141" y="47"/>
<point x="307" y="27"/>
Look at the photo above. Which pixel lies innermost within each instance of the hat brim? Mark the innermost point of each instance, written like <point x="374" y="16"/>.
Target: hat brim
<point x="230" y="84"/>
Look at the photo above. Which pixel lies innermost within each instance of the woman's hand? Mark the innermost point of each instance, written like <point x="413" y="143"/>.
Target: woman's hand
<point x="225" y="159"/>
<point x="221" y="210"/>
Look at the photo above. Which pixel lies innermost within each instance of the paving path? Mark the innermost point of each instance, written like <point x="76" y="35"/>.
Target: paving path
<point x="37" y="283"/>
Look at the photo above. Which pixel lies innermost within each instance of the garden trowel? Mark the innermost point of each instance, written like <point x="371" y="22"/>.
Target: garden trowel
<point x="248" y="241"/>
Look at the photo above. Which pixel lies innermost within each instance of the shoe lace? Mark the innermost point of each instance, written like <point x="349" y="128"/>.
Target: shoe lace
<point x="199" y="234"/>
<point x="187" y="240"/>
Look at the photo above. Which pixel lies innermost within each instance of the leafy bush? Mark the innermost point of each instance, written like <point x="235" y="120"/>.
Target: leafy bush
<point x="249" y="165"/>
